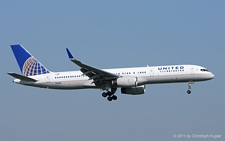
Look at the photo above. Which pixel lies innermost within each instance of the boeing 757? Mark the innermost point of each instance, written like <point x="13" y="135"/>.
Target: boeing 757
<point x="130" y="80"/>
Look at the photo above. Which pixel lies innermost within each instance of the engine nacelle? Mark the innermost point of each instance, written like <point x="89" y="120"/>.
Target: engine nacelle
<point x="134" y="90"/>
<point x="126" y="81"/>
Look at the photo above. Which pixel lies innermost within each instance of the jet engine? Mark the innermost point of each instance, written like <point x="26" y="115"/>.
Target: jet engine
<point x="125" y="81"/>
<point x="134" y="90"/>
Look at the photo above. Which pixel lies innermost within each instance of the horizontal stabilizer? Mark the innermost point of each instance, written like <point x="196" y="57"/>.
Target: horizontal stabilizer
<point x="21" y="77"/>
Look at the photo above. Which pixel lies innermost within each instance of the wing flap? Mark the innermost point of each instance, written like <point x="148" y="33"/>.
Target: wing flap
<point x="21" y="77"/>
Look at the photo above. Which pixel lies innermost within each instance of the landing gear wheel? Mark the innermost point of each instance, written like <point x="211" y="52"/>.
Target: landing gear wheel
<point x="109" y="98"/>
<point x="189" y="91"/>
<point x="104" y="94"/>
<point x="114" y="97"/>
<point x="109" y="93"/>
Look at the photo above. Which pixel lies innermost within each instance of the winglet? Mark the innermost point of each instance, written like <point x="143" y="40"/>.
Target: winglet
<point x="69" y="54"/>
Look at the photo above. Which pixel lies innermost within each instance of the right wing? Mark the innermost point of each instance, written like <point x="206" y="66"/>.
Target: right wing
<point x="21" y="77"/>
<point x="96" y="74"/>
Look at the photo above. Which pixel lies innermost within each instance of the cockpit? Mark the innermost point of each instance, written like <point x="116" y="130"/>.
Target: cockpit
<point x="203" y="70"/>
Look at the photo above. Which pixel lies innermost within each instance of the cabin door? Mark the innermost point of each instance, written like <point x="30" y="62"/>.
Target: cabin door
<point x="151" y="72"/>
<point x="192" y="70"/>
<point x="47" y="78"/>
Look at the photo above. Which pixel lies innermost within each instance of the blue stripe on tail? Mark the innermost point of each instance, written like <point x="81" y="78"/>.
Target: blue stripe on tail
<point x="29" y="66"/>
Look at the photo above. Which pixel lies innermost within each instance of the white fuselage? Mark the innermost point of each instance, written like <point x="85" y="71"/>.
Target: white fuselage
<point x="145" y="75"/>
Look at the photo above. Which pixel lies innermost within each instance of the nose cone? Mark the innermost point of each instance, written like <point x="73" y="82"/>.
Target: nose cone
<point x="211" y="75"/>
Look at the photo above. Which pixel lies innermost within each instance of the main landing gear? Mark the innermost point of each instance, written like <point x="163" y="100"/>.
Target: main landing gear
<point x="189" y="87"/>
<point x="110" y="95"/>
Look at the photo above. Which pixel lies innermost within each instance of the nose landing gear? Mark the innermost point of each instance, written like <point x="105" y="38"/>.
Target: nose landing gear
<point x="189" y="91"/>
<point x="189" y="87"/>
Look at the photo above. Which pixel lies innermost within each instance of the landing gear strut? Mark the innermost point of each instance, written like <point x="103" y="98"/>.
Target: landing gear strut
<point x="110" y="94"/>
<point x="189" y="87"/>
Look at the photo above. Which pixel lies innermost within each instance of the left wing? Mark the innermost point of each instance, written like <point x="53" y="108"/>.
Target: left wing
<point x="97" y="75"/>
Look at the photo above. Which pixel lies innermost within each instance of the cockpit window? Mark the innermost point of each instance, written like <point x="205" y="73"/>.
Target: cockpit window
<point x="203" y="69"/>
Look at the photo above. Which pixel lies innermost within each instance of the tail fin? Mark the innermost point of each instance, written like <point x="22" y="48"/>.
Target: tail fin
<point x="29" y="66"/>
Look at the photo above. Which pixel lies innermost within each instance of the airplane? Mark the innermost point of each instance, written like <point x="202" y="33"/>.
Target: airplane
<point x="131" y="81"/>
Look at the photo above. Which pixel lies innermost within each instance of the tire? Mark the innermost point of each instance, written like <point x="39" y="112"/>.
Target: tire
<point x="109" y="98"/>
<point x="114" y="97"/>
<point x="104" y="94"/>
<point x="189" y="91"/>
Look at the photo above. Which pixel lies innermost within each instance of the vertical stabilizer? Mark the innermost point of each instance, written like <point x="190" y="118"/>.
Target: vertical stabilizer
<point x="29" y="66"/>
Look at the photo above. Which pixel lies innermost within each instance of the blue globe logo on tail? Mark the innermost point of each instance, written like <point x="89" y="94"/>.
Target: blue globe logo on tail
<point x="32" y="67"/>
<point x="29" y="66"/>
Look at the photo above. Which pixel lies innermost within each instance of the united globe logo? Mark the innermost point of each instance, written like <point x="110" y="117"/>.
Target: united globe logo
<point x="32" y="67"/>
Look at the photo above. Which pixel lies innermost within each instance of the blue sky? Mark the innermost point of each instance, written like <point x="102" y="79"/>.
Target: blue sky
<point x="111" y="34"/>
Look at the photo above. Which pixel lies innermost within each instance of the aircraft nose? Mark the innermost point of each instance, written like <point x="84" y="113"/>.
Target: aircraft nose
<point x="211" y="75"/>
